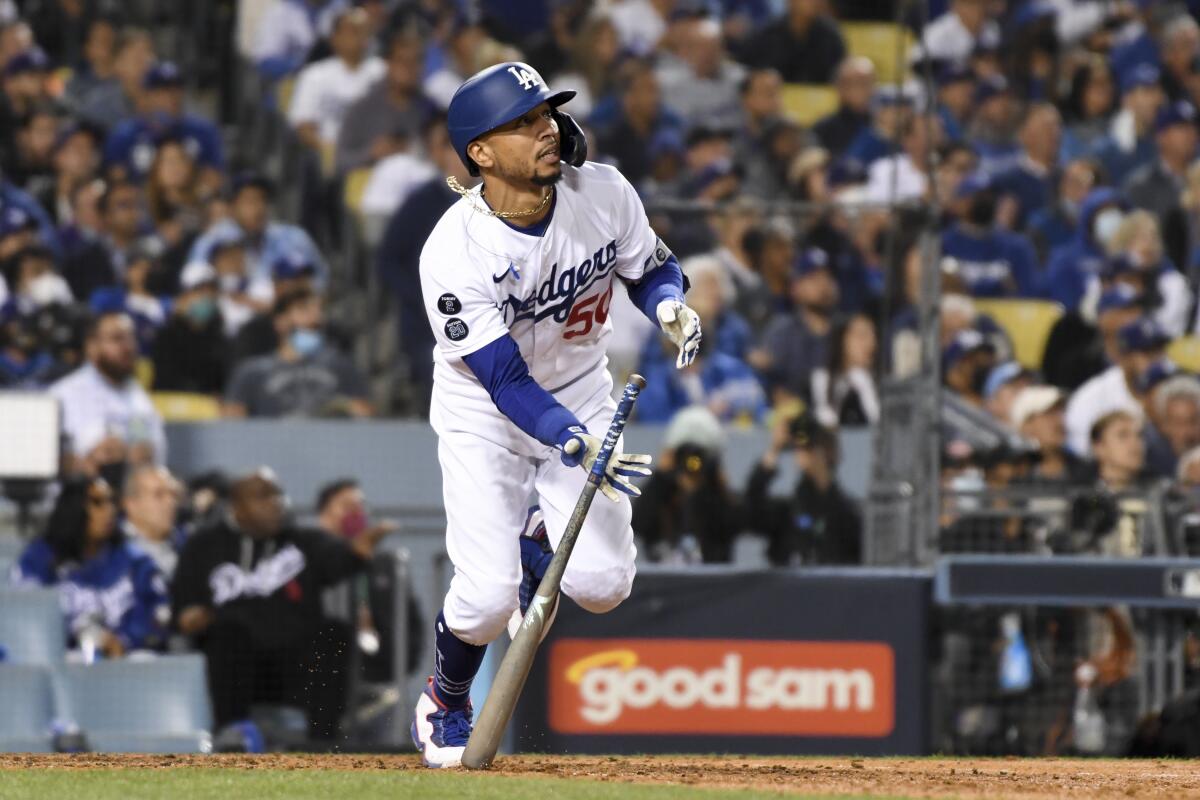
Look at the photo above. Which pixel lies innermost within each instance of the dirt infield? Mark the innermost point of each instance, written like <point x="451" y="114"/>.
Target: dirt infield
<point x="888" y="777"/>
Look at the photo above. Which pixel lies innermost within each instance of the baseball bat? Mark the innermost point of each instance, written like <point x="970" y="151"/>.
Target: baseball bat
<point x="514" y="668"/>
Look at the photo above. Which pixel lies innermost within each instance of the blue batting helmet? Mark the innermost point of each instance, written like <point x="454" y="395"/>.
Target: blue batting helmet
<point x="493" y="97"/>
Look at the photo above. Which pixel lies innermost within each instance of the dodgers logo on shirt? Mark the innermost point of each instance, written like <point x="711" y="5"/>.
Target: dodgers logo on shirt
<point x="456" y="330"/>
<point x="449" y="304"/>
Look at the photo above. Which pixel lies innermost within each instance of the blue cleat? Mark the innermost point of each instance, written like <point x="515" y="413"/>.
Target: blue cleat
<point x="535" y="558"/>
<point x="440" y="733"/>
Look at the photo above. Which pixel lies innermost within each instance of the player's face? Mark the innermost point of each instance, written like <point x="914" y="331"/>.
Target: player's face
<point x="526" y="149"/>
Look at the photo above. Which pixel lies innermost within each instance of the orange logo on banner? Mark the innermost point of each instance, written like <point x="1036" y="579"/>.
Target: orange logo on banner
<point x="722" y="686"/>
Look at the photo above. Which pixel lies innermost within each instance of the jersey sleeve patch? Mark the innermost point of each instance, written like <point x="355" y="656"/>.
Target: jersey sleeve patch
<point x="456" y="329"/>
<point x="658" y="256"/>
<point x="449" y="304"/>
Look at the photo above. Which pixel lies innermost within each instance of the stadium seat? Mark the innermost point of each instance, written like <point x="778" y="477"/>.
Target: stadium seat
<point x="878" y="41"/>
<point x="1185" y="351"/>
<point x="283" y="94"/>
<point x="28" y="702"/>
<point x="186" y="406"/>
<point x="356" y="185"/>
<point x="159" y="705"/>
<point x="805" y="103"/>
<point x="1027" y="323"/>
<point x="143" y="370"/>
<point x="31" y="626"/>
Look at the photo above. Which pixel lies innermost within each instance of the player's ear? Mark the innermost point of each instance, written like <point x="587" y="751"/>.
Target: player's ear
<point x="481" y="154"/>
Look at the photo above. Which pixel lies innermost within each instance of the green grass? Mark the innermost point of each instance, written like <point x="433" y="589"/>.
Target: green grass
<point x="234" y="784"/>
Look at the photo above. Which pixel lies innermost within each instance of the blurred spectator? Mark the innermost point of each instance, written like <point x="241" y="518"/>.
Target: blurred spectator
<point x="249" y="589"/>
<point x="1175" y="423"/>
<point x="804" y="44"/>
<point x="133" y="296"/>
<point x="855" y="83"/>
<point x="114" y="93"/>
<point x="106" y="414"/>
<point x="818" y="523"/>
<point x="770" y="250"/>
<point x="132" y="144"/>
<point x="1006" y="380"/>
<point x="592" y="67"/>
<point x="1140" y="344"/>
<point x="24" y="89"/>
<point x="1071" y="266"/>
<point x="113" y="595"/>
<point x="101" y="260"/>
<point x="257" y="335"/>
<point x="1029" y="182"/>
<point x="698" y="76"/>
<point x="985" y="260"/>
<point x="687" y="513"/>
<point x="150" y="500"/>
<point x="797" y="342"/>
<point x="191" y="353"/>
<point x="891" y="110"/>
<point x="957" y="33"/>
<point x="326" y="89"/>
<point x="24" y="362"/>
<point x="640" y="24"/>
<point x="389" y="116"/>
<point x="1078" y="349"/>
<point x="76" y="159"/>
<point x="1138" y="259"/>
<point x="397" y="258"/>
<point x="1054" y="225"/>
<point x="1088" y="108"/>
<point x="175" y="193"/>
<point x="1158" y="186"/>
<point x="239" y="298"/>
<point x="1037" y="414"/>
<point x="32" y="281"/>
<point x="1180" y="48"/>
<point x="96" y="64"/>
<point x="844" y="393"/>
<point x="966" y="363"/>
<point x="711" y="296"/>
<point x="1129" y="143"/>
<point x="32" y="165"/>
<point x="642" y="115"/>
<point x="460" y="52"/>
<point x="907" y="174"/>
<point x="304" y="377"/>
<point x="1118" y="449"/>
<point x="955" y="97"/>
<point x="266" y="240"/>
<point x="992" y="130"/>
<point x="289" y="30"/>
<point x="395" y="177"/>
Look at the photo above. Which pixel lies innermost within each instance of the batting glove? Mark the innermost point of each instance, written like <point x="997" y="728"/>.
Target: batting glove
<point x="582" y="448"/>
<point x="682" y="326"/>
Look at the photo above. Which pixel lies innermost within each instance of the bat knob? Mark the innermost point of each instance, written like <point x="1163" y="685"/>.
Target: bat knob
<point x="638" y="381"/>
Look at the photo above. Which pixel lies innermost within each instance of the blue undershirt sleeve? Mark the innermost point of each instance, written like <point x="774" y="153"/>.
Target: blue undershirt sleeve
<point x="664" y="282"/>
<point x="504" y="373"/>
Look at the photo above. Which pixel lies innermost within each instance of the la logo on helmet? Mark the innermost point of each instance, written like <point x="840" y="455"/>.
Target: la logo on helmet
<point x="526" y="78"/>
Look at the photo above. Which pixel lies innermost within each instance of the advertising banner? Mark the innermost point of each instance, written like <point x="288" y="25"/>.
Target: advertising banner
<point x="818" y="661"/>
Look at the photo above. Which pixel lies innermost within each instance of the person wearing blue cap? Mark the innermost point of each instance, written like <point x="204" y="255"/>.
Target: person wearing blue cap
<point x="131" y="146"/>
<point x="891" y="110"/>
<point x="986" y="260"/>
<point x="1129" y="143"/>
<point x="796" y="343"/>
<point x="1158" y="185"/>
<point x="1139" y="343"/>
<point x="1080" y="346"/>
<point x="955" y="97"/>
<point x="1065" y="279"/>
<point x="1003" y="384"/>
<point x="992" y="130"/>
<point x="967" y="361"/>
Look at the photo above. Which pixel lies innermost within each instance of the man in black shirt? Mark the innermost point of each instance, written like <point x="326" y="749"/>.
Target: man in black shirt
<point x="249" y="589"/>
<point x="855" y="85"/>
<point x="804" y="45"/>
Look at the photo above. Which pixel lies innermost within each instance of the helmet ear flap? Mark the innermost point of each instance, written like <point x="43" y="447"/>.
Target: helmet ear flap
<point x="573" y="148"/>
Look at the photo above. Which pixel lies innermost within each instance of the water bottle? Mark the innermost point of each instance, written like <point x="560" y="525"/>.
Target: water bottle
<point x="1016" y="668"/>
<point x="1087" y="717"/>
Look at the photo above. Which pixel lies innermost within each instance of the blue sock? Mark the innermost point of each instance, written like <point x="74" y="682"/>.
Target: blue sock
<point x="455" y="665"/>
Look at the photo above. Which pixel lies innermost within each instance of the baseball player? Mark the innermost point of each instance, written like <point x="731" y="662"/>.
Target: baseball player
<point x="517" y="279"/>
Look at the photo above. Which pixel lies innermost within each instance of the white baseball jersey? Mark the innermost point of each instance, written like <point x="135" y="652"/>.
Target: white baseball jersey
<point x="481" y="279"/>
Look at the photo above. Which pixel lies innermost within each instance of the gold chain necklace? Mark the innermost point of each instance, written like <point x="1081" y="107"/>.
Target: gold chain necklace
<point x="453" y="183"/>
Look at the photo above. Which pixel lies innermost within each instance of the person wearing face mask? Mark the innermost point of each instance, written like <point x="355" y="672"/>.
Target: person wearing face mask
<point x="304" y="376"/>
<point x="1065" y="279"/>
<point x="107" y="416"/>
<point x="191" y="352"/>
<point x="33" y="282"/>
<point x="1140" y="344"/>
<point x="988" y="261"/>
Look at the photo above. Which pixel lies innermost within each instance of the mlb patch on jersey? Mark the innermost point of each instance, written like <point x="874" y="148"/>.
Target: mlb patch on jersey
<point x="456" y="330"/>
<point x="449" y="304"/>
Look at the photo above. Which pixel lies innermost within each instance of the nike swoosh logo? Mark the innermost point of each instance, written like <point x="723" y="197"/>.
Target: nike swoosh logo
<point x="500" y="277"/>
